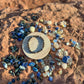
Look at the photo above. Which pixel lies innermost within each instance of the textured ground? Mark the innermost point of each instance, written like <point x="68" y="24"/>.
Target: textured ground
<point x="72" y="11"/>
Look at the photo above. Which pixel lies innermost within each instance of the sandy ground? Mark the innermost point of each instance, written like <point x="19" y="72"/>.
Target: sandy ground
<point x="72" y="11"/>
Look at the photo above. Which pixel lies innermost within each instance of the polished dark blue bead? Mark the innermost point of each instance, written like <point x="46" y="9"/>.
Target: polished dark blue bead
<point x="35" y="69"/>
<point x="23" y="82"/>
<point x="38" y="74"/>
<point x="49" y="30"/>
<point x="65" y="59"/>
<point x="11" y="61"/>
<point x="56" y="28"/>
<point x="19" y="39"/>
<point x="13" y="80"/>
<point x="50" y="78"/>
<point x="40" y="60"/>
<point x="48" y="27"/>
<point x="39" y="30"/>
<point x="36" y="26"/>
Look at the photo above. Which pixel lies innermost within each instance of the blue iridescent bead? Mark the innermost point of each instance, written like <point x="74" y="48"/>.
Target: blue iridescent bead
<point x="36" y="26"/>
<point x="50" y="78"/>
<point x="35" y="69"/>
<point x="18" y="34"/>
<point x="38" y="74"/>
<point x="39" y="30"/>
<point x="56" y="28"/>
<point x="19" y="39"/>
<point x="13" y="80"/>
<point x="74" y="42"/>
<point x="57" y="35"/>
<point x="23" y="82"/>
<point x="9" y="82"/>
<point x="65" y="59"/>
<point x="49" y="30"/>
<point x="31" y="64"/>
<point x="40" y="60"/>
<point x="55" y="40"/>
<point x="11" y="61"/>
<point x="48" y="27"/>
<point x="53" y="49"/>
<point x="71" y="40"/>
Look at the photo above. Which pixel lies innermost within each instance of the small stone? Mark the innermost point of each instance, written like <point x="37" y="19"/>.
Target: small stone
<point x="56" y="45"/>
<point x="39" y="30"/>
<point x="63" y="24"/>
<point x="56" y="28"/>
<point x="67" y="43"/>
<point x="19" y="39"/>
<point x="32" y="29"/>
<point x="22" y="67"/>
<point x="35" y="69"/>
<point x="55" y="23"/>
<point x="46" y="68"/>
<point x="50" y="78"/>
<point x="65" y="53"/>
<point x="41" y="20"/>
<point x="31" y="64"/>
<point x="44" y="75"/>
<point x="5" y="65"/>
<point x="49" y="22"/>
<point x="59" y="63"/>
<point x="49" y="30"/>
<point x="32" y="75"/>
<point x="60" y="71"/>
<point x="64" y="65"/>
<point x="37" y="23"/>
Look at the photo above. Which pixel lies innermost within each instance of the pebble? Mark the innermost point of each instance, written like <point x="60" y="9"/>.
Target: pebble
<point x="59" y="63"/>
<point x="53" y="49"/>
<point x="49" y="22"/>
<point x="65" y="53"/>
<point x="46" y="68"/>
<point x="35" y="69"/>
<point x="5" y="65"/>
<point x="44" y="75"/>
<point x="67" y="43"/>
<point x="56" y="45"/>
<point x="41" y="20"/>
<point x="32" y="29"/>
<point x="56" y="28"/>
<point x="69" y="61"/>
<point x="50" y="78"/>
<point x="60" y="71"/>
<point x="22" y="67"/>
<point x="63" y="23"/>
<point x="64" y="65"/>
<point x="32" y="75"/>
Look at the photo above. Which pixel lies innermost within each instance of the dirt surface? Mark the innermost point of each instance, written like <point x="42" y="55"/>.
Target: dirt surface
<point x="72" y="11"/>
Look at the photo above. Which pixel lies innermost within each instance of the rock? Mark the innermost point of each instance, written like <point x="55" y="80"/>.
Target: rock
<point x="60" y="71"/>
<point x="49" y="22"/>
<point x="46" y="68"/>
<point x="64" y="65"/>
<point x="56" y="45"/>
<point x="41" y="20"/>
<point x="22" y="67"/>
<point x="5" y="65"/>
<point x="50" y="78"/>
<point x="32" y="29"/>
